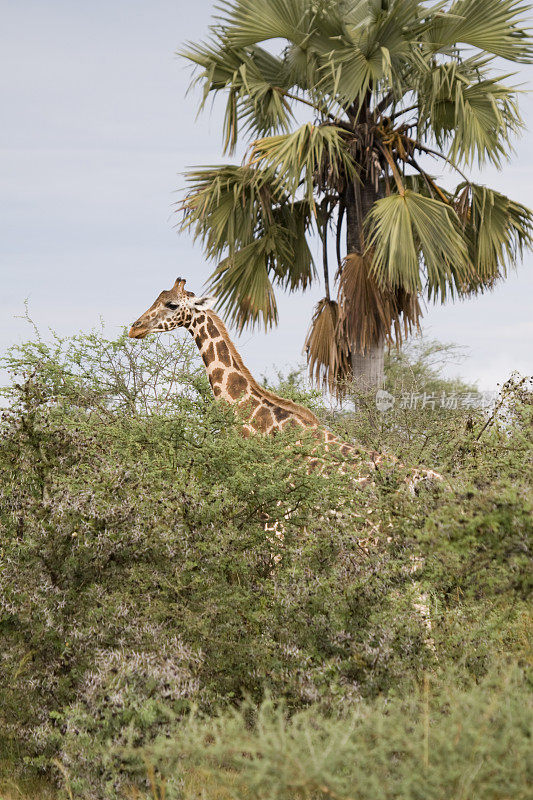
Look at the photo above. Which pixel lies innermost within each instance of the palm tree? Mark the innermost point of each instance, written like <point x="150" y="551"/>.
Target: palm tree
<point x="389" y="84"/>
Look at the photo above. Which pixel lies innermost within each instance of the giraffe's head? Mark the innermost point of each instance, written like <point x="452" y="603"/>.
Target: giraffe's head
<point x="174" y="308"/>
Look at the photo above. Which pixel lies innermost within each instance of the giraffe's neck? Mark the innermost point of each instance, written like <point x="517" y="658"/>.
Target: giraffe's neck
<point x="262" y="410"/>
<point x="231" y="381"/>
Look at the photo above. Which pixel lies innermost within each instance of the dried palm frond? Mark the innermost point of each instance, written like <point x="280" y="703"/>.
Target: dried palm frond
<point x="328" y="356"/>
<point x="372" y="312"/>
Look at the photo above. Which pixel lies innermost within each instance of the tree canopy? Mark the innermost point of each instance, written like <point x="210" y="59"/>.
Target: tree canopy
<point x="389" y="84"/>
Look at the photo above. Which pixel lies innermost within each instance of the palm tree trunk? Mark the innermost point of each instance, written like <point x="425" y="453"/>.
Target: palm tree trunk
<point x="368" y="366"/>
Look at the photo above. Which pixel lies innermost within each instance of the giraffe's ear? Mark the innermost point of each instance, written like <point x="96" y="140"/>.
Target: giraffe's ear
<point x="203" y="303"/>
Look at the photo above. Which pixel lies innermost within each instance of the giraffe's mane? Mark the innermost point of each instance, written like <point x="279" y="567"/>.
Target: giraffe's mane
<point x="288" y="405"/>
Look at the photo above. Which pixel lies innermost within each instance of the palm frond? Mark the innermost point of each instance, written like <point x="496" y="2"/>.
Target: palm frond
<point x="470" y="114"/>
<point x="217" y="62"/>
<point x="295" y="158"/>
<point x="254" y="81"/>
<point x="251" y="21"/>
<point x="303" y="65"/>
<point x="375" y="44"/>
<point x="497" y="229"/>
<point x="298" y="270"/>
<point x="260" y="84"/>
<point x="486" y="115"/>
<point x="349" y="73"/>
<point x="226" y="205"/>
<point x="239" y="214"/>
<point x="243" y="281"/>
<point x="495" y="26"/>
<point x="243" y="287"/>
<point x="409" y="231"/>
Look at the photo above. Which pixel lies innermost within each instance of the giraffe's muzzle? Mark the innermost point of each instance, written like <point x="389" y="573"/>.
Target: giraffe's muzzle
<point x="137" y="331"/>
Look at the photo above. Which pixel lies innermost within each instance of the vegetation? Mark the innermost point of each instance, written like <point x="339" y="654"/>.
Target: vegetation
<point x="390" y="748"/>
<point x="152" y="634"/>
<point x="388" y="85"/>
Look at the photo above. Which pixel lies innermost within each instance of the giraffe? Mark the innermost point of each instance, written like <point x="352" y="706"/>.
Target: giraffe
<point x="262" y="411"/>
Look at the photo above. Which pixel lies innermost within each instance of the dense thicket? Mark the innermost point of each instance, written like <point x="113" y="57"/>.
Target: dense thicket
<point x="137" y="583"/>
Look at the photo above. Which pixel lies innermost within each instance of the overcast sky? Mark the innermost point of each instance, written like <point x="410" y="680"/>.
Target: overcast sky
<point x="96" y="131"/>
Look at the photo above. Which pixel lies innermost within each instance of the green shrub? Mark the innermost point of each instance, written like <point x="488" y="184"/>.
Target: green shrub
<point x="137" y="580"/>
<point x="436" y="742"/>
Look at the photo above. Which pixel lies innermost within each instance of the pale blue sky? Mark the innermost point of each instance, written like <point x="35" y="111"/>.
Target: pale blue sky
<point x="96" y="130"/>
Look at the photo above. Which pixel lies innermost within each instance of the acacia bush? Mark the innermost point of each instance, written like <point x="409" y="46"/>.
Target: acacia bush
<point x="138" y="584"/>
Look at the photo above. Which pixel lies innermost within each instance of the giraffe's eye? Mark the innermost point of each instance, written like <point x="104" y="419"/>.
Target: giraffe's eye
<point x="172" y="306"/>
